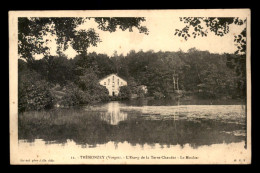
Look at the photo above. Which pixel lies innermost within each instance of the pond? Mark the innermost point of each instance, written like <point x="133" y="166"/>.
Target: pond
<point x="138" y="123"/>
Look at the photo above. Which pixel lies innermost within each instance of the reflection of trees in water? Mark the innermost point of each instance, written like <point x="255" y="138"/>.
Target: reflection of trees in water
<point x="182" y="101"/>
<point x="93" y="128"/>
<point x="113" y="115"/>
<point x="137" y="131"/>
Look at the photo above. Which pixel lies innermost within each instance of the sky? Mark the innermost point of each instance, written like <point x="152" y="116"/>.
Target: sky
<point x="161" y="38"/>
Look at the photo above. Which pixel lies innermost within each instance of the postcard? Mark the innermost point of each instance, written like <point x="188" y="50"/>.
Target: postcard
<point x="130" y="87"/>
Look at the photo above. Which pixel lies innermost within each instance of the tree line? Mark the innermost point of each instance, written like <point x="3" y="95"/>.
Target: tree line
<point x="71" y="82"/>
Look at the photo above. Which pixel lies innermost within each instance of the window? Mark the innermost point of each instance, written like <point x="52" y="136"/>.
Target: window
<point x="108" y="81"/>
<point x="113" y="78"/>
<point x="104" y="83"/>
<point x="118" y="81"/>
<point x="121" y="83"/>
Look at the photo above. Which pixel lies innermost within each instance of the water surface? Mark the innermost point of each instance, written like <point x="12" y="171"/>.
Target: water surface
<point x="138" y="123"/>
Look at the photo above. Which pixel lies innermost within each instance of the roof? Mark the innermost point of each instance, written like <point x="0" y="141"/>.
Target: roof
<point x="110" y="75"/>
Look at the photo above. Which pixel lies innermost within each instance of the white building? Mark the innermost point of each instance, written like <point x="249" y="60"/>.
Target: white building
<point x="113" y="83"/>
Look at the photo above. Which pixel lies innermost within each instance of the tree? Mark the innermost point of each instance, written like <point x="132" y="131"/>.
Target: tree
<point x="174" y="64"/>
<point x="104" y="63"/>
<point x="198" y="26"/>
<point x="33" y="91"/>
<point x="217" y="79"/>
<point x="32" y="32"/>
<point x="54" y="69"/>
<point x="124" y="93"/>
<point x="89" y="83"/>
<point x="74" y="96"/>
<point x="83" y="39"/>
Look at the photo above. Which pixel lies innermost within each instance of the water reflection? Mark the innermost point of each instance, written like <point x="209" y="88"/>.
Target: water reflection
<point x="115" y="122"/>
<point x="179" y="101"/>
<point x="113" y="115"/>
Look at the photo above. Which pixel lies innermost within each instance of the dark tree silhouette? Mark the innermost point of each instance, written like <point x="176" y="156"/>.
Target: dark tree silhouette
<point x="31" y="32"/>
<point x="198" y="26"/>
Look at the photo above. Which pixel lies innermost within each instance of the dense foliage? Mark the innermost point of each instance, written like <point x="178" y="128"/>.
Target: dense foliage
<point x="220" y="26"/>
<point x="196" y="72"/>
<point x="33" y="91"/>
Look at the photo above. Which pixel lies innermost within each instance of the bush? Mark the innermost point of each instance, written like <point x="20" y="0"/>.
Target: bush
<point x="100" y="93"/>
<point x="158" y="95"/>
<point x="124" y="93"/>
<point x="89" y="83"/>
<point x="140" y="92"/>
<point x="74" y="96"/>
<point x="33" y="93"/>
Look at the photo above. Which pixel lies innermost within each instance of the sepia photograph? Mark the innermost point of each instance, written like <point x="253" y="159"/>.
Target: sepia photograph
<point x="130" y="87"/>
